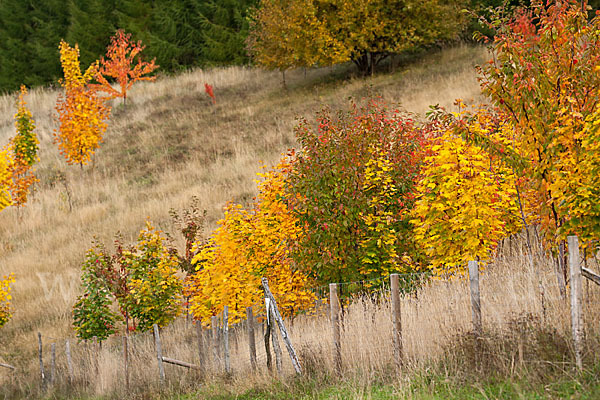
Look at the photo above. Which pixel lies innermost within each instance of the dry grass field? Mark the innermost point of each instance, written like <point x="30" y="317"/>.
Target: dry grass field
<point x="170" y="144"/>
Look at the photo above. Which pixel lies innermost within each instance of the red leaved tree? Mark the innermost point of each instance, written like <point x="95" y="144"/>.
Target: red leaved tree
<point x="123" y="65"/>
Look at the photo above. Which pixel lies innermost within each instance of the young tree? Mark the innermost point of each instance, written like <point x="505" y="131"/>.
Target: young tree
<point x="24" y="148"/>
<point x="352" y="186"/>
<point x="82" y="114"/>
<point x="249" y="245"/>
<point x="123" y="64"/>
<point x="5" y="298"/>
<point x="468" y="198"/>
<point x="544" y="78"/>
<point x="93" y="316"/>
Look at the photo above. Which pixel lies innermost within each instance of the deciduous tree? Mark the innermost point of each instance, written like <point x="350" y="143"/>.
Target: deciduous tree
<point x="123" y="63"/>
<point x="5" y="299"/>
<point x="82" y="114"/>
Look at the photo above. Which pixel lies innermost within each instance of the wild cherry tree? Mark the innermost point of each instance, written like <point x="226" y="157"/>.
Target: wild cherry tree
<point x="123" y="63"/>
<point x="352" y="187"/>
<point x="246" y="246"/>
<point x="468" y="198"/>
<point x="82" y="114"/>
<point x="544" y="78"/>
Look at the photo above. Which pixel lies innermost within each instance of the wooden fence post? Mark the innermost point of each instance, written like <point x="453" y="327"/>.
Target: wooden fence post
<point x="69" y="361"/>
<point x="251" y="339"/>
<point x="126" y="360"/>
<point x="52" y="362"/>
<point x="396" y="319"/>
<point x="475" y="297"/>
<point x="284" y="334"/>
<point x="576" y="314"/>
<point x="334" y="304"/>
<point x="267" y="337"/>
<point x="226" y="339"/>
<point x="201" y="349"/>
<point x="161" y="369"/>
<point x="275" y="341"/>
<point x="40" y="353"/>
<point x="214" y="324"/>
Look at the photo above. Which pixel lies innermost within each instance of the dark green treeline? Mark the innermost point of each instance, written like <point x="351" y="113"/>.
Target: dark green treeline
<point x="179" y="33"/>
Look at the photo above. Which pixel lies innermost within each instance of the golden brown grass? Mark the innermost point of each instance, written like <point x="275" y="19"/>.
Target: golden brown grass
<point x="171" y="144"/>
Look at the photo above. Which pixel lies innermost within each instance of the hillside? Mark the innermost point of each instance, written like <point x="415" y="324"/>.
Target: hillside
<point x="168" y="145"/>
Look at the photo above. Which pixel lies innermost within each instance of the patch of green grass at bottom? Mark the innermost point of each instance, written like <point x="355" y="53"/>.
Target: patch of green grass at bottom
<point x="421" y="386"/>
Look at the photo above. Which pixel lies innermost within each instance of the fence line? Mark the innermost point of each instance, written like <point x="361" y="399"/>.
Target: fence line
<point x="397" y="309"/>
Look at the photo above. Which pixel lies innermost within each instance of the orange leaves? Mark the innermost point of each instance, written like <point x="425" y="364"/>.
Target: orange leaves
<point x="121" y="65"/>
<point x="82" y="114"/>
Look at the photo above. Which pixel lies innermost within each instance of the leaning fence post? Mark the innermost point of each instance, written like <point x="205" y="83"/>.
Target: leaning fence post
<point x="576" y="314"/>
<point x="69" y="361"/>
<point x="334" y="304"/>
<point x="396" y="318"/>
<point x="40" y="352"/>
<point x="226" y="339"/>
<point x="161" y="369"/>
<point x="272" y="305"/>
<point x="475" y="298"/>
<point x="251" y="339"/>
<point x="275" y="341"/>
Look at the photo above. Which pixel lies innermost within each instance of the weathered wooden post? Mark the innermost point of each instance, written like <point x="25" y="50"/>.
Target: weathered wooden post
<point x="576" y="314"/>
<point x="126" y="360"/>
<point x="475" y="298"/>
<point x="334" y="305"/>
<point x="284" y="334"/>
<point x="157" y="346"/>
<point x="226" y="339"/>
<point x="396" y="319"/>
<point x="69" y="361"/>
<point x="251" y="338"/>
<point x="275" y="341"/>
<point x="201" y="350"/>
<point x="40" y="355"/>
<point x="52" y="362"/>
<point x="214" y="324"/>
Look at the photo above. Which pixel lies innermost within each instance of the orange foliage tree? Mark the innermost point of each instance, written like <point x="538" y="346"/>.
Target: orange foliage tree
<point x="249" y="245"/>
<point x="122" y="65"/>
<point x="24" y="148"/>
<point x="82" y="114"/>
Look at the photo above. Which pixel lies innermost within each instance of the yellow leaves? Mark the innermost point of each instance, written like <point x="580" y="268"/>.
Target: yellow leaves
<point x="82" y="113"/>
<point x="246" y="246"/>
<point x="5" y="175"/>
<point x="5" y="298"/>
<point x="472" y="208"/>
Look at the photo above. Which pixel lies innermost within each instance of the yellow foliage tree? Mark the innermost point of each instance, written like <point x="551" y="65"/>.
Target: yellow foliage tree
<point x="247" y="246"/>
<point x="82" y="114"/>
<point x="468" y="198"/>
<point x="5" y="298"/>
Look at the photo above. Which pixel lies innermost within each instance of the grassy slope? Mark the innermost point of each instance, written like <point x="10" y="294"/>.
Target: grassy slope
<point x="168" y="145"/>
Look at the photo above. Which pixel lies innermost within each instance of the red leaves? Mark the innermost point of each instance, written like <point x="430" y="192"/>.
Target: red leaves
<point x="209" y="91"/>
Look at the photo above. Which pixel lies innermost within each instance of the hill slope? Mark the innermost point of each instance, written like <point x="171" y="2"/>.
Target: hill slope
<point x="168" y="145"/>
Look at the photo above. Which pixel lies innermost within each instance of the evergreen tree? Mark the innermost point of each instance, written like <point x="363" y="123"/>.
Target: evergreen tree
<point x="225" y="29"/>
